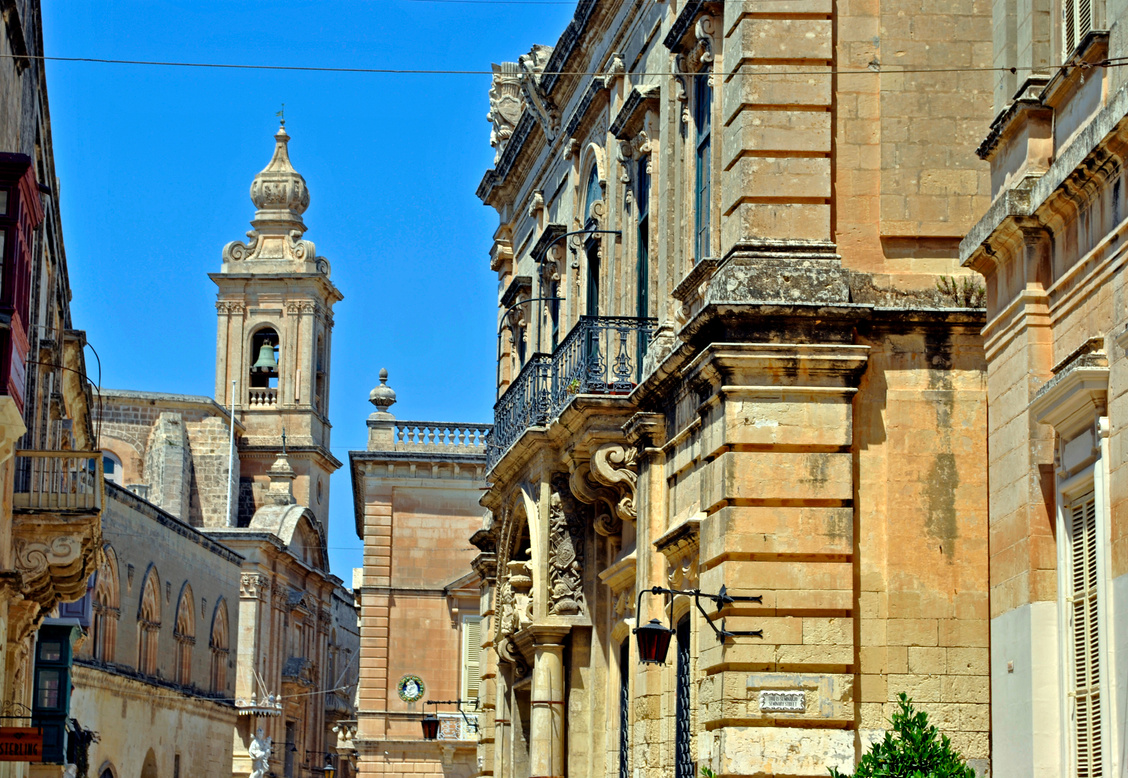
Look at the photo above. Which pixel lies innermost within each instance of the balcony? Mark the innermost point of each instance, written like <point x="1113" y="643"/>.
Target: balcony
<point x="58" y="482"/>
<point x="602" y="355"/>
<point x="262" y="397"/>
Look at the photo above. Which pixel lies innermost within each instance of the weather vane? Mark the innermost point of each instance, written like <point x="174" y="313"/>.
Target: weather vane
<point x="283" y="440"/>
<point x="282" y="115"/>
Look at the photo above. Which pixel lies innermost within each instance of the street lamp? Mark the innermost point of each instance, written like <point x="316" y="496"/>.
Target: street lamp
<point x="654" y="639"/>
<point x="328" y="769"/>
<point x="430" y="724"/>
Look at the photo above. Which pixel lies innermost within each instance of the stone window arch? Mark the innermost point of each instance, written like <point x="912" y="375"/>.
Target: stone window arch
<point x="220" y="645"/>
<point x="149" y="622"/>
<point x="185" y="635"/>
<point x="106" y="607"/>
<point x="264" y="365"/>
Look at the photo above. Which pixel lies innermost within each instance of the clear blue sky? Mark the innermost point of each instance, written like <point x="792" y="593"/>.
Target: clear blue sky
<point x="155" y="164"/>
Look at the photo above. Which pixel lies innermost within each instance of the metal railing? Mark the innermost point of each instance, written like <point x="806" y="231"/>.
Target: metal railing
<point x="58" y="481"/>
<point x="601" y="355"/>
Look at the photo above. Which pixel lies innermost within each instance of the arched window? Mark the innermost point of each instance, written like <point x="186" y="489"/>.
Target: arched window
<point x="185" y="635"/>
<point x="106" y="607"/>
<point x="591" y="191"/>
<point x="263" y="380"/>
<point x="149" y="623"/>
<point x="220" y="645"/>
<point x="111" y="468"/>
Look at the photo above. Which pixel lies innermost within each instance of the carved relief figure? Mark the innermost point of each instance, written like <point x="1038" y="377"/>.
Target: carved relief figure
<point x="566" y="551"/>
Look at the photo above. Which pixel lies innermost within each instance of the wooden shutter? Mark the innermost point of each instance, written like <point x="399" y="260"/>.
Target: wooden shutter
<point x="1076" y="23"/>
<point x="1082" y="604"/>
<point x="471" y="654"/>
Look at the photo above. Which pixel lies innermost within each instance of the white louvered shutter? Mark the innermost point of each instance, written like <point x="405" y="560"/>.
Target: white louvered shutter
<point x="471" y="666"/>
<point x="1082" y="604"/>
<point x="1076" y="23"/>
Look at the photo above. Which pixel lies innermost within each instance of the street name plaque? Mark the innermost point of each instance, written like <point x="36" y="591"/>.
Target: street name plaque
<point x="783" y="701"/>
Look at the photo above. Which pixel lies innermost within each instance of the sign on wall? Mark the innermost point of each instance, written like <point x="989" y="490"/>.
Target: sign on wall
<point x="21" y="744"/>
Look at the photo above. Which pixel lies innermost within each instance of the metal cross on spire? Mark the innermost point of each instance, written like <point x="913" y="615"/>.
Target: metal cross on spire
<point x="283" y="441"/>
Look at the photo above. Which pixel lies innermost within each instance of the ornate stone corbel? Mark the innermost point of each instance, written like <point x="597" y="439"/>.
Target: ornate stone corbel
<point x="608" y="480"/>
<point x="536" y="203"/>
<point x="705" y="31"/>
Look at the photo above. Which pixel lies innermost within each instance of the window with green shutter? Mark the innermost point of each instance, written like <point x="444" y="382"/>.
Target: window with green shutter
<point x="1082" y="604"/>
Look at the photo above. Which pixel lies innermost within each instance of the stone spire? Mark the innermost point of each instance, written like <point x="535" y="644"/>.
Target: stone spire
<point x="281" y="197"/>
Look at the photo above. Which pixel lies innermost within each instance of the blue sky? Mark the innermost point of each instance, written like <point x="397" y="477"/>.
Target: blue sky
<point x="155" y="164"/>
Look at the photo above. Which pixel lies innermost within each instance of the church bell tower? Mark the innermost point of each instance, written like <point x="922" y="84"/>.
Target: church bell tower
<point x="275" y="326"/>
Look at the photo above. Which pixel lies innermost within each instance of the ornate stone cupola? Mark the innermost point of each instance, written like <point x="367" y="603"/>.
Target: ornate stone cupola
<point x="275" y="323"/>
<point x="281" y="196"/>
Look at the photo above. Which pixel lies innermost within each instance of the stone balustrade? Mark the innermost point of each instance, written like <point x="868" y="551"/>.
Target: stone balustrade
<point x="426" y="436"/>
<point x="262" y="397"/>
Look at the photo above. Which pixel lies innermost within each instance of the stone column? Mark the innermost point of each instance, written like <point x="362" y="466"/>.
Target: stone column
<point x="503" y="727"/>
<point x="546" y="742"/>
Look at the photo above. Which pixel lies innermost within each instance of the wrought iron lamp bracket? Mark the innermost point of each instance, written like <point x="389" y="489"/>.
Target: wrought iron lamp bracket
<point x="721" y="599"/>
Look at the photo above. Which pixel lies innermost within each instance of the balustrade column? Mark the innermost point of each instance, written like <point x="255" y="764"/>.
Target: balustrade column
<point x="546" y="741"/>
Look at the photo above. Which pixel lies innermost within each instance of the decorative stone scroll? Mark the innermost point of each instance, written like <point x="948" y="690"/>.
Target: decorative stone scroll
<point x="609" y="479"/>
<point x="565" y="551"/>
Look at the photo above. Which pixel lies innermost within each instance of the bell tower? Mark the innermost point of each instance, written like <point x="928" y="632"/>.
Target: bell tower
<point x="275" y="325"/>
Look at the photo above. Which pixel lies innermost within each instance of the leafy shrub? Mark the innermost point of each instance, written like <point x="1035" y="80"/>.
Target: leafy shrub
<point x="917" y="751"/>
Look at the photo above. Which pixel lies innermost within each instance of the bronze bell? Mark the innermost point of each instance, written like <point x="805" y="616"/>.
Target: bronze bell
<point x="266" y="361"/>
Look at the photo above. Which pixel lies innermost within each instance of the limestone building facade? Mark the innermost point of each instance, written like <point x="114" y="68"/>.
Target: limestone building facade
<point x="416" y="490"/>
<point x="1050" y="249"/>
<point x="155" y="675"/>
<point x="50" y="474"/>
<point x="738" y="351"/>
<point x="249" y="469"/>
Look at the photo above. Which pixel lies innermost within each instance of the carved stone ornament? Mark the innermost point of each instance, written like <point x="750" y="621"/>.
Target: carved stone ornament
<point x="705" y="31"/>
<point x="253" y="586"/>
<point x="506" y="104"/>
<point x="565" y="551"/>
<point x="531" y="66"/>
<point x="608" y="480"/>
<point x="53" y="569"/>
<point x="679" y="69"/>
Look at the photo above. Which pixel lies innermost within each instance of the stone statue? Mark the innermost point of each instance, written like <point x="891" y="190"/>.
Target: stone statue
<point x="259" y="751"/>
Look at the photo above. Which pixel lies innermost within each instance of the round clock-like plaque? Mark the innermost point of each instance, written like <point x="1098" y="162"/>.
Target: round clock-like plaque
<point x="411" y="688"/>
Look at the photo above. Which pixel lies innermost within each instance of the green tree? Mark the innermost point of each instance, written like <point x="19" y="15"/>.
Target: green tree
<point x="917" y="750"/>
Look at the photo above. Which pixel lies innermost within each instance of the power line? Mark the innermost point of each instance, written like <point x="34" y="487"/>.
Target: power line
<point x="871" y="69"/>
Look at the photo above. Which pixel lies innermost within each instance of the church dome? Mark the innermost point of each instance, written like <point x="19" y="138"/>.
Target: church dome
<point x="279" y="192"/>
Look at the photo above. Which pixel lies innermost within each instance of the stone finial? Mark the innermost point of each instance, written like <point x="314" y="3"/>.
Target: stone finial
<point x="382" y="396"/>
<point x="381" y="424"/>
<point x="279" y="192"/>
<point x="281" y="489"/>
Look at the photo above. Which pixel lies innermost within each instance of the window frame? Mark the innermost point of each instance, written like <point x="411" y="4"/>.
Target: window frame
<point x="703" y="169"/>
<point x="1091" y="479"/>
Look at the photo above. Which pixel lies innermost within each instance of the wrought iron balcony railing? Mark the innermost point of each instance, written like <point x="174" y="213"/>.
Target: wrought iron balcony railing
<point x="601" y="355"/>
<point x="58" y="482"/>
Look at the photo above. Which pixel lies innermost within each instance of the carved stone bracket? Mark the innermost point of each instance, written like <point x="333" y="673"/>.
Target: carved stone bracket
<point x="54" y="561"/>
<point x="608" y="479"/>
<point x="254" y="587"/>
<point x="530" y="67"/>
<point x="681" y="546"/>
